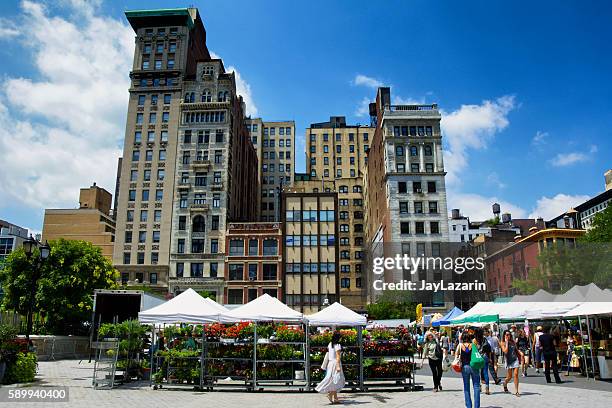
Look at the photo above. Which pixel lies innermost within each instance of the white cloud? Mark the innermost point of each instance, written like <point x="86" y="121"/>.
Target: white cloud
<point x="62" y="130"/>
<point x="548" y="208"/>
<point x="567" y="159"/>
<point x="363" y="109"/>
<point x="539" y="138"/>
<point x="593" y="149"/>
<point x="478" y="207"/>
<point x="364" y="80"/>
<point x="494" y="180"/>
<point x="399" y="100"/>
<point x="242" y="88"/>
<point x="8" y="28"/>
<point x="472" y="127"/>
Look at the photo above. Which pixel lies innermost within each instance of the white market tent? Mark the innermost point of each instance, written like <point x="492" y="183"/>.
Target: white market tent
<point x="591" y="309"/>
<point x="188" y="307"/>
<point x="336" y="315"/>
<point x="263" y="309"/>
<point x="540" y="296"/>
<point x="586" y="293"/>
<point x="514" y="311"/>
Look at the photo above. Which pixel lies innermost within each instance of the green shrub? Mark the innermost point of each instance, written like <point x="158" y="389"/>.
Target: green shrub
<point x="22" y="370"/>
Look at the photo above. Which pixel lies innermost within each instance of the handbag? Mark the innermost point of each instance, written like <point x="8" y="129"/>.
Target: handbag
<point x="325" y="361"/>
<point x="456" y="364"/>
<point x="438" y="351"/>
<point x="476" y="360"/>
<point x="446" y="363"/>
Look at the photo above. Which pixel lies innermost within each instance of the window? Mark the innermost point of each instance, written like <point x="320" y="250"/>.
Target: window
<point x="149" y="155"/>
<point x="416" y="187"/>
<point x="197" y="245"/>
<point x="159" y="195"/>
<point x="236" y="247"/>
<point x="433" y="207"/>
<point x="214" y="225"/>
<point x="414" y="151"/>
<point x="404" y="227"/>
<point x="400" y="167"/>
<point x="270" y="247"/>
<point x="130" y="213"/>
<point x="214" y="267"/>
<point x="414" y="167"/>
<point x="180" y="246"/>
<point x="419" y="227"/>
<point x="401" y="187"/>
<point x="128" y="237"/>
<point x="145" y="64"/>
<point x="154" y="98"/>
<point x="135" y="155"/>
<point x="150" y="137"/>
<point x="197" y="269"/>
<point x="165" y="117"/>
<point x="161" y="174"/>
<point x="142" y="237"/>
<point x="137" y="137"/>
<point x="403" y="207"/>
<point x="167" y="98"/>
<point x="418" y="207"/>
<point x="428" y="150"/>
<point x="156" y="236"/>
<point x="253" y="247"/>
<point x="170" y="63"/>
<point x="141" y="100"/>
<point x="182" y="223"/>
<point x="144" y="215"/>
<point x="431" y="186"/>
<point x="234" y="296"/>
<point x="147" y="47"/>
<point x="236" y="272"/>
<point x="269" y="272"/>
<point x="345" y="283"/>
<point x="198" y="224"/>
<point x="145" y="195"/>
<point x="126" y="260"/>
<point x="133" y="175"/>
<point x="434" y="227"/>
<point x="162" y="155"/>
<point x="216" y="202"/>
<point x="152" y="118"/>
<point x="139" y="260"/>
<point x="153" y="275"/>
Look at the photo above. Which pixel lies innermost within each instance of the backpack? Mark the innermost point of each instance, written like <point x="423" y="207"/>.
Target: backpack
<point x="438" y="351"/>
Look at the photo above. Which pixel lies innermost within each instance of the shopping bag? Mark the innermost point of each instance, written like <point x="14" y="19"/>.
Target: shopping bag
<point x="476" y="360"/>
<point x="456" y="364"/>
<point x="325" y="361"/>
<point x="446" y="363"/>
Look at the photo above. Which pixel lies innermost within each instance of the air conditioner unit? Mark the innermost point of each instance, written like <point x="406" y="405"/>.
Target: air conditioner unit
<point x="419" y="191"/>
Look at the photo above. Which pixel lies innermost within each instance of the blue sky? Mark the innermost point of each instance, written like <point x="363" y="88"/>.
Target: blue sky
<point x="525" y="88"/>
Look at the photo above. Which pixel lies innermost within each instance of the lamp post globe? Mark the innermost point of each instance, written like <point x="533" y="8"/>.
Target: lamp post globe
<point x="29" y="245"/>
<point x="45" y="250"/>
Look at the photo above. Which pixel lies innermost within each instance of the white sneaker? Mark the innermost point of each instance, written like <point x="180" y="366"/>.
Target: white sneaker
<point x="538" y="370"/>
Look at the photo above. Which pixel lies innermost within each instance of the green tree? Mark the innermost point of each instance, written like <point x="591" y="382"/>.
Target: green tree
<point x="601" y="228"/>
<point x="392" y="305"/>
<point x="64" y="291"/>
<point x="207" y="294"/>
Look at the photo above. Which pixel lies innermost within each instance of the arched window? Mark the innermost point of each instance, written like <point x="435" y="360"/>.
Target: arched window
<point x="427" y="150"/>
<point x="220" y="96"/>
<point x="198" y="224"/>
<point x="225" y="96"/>
<point x="399" y="150"/>
<point x="414" y="151"/>
<point x="192" y="97"/>
<point x="206" y="96"/>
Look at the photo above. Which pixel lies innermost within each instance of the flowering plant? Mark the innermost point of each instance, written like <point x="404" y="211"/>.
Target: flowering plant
<point x="348" y="337"/>
<point x="240" y="331"/>
<point x="289" y="334"/>
<point x="214" y="331"/>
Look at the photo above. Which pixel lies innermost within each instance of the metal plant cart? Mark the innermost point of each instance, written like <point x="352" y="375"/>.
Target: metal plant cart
<point x="105" y="363"/>
<point x="400" y="362"/>
<point x="353" y="370"/>
<point x="281" y="372"/>
<point x="178" y="369"/>
<point x="217" y="367"/>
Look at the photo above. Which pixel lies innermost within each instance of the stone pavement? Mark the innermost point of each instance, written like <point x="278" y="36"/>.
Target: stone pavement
<point x="77" y="375"/>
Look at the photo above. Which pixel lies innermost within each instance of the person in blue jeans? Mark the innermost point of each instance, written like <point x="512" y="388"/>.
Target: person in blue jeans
<point x="464" y="352"/>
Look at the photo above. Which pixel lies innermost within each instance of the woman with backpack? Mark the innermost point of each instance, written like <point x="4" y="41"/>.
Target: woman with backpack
<point x="513" y="357"/>
<point x="464" y="356"/>
<point x="434" y="353"/>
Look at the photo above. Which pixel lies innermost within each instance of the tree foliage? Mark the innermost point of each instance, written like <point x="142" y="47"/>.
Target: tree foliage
<point x="601" y="228"/>
<point x="392" y="305"/>
<point x="64" y="291"/>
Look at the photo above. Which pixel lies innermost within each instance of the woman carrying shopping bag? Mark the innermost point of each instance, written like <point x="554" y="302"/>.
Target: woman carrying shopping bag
<point x="334" y="376"/>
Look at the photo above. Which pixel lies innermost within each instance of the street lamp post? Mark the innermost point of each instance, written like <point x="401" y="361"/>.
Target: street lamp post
<point x="29" y="245"/>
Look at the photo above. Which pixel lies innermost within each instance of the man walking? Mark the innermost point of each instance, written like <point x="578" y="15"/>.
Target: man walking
<point x="549" y="351"/>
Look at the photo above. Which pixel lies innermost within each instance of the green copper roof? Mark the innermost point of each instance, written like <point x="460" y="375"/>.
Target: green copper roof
<point x="134" y="14"/>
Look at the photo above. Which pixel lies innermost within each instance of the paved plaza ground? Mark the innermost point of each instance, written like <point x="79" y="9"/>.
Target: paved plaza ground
<point x="577" y="392"/>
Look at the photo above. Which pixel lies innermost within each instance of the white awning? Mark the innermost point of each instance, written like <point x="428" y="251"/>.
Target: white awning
<point x="263" y="309"/>
<point x="188" y="307"/>
<point x="591" y="309"/>
<point x="336" y="315"/>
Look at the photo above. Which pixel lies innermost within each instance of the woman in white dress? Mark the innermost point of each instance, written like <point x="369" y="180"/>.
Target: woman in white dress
<point x="334" y="377"/>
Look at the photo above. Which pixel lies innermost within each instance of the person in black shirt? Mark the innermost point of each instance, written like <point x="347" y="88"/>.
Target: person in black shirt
<point x="548" y="347"/>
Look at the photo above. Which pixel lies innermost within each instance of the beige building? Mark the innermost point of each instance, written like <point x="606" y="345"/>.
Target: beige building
<point x="176" y="86"/>
<point x="275" y="146"/>
<point x="336" y="154"/>
<point x="91" y="222"/>
<point x="310" y="254"/>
